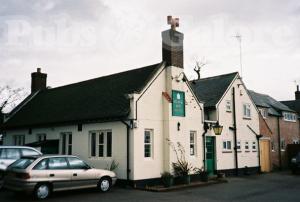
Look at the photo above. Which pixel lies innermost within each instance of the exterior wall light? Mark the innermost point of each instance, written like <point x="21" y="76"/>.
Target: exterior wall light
<point x="217" y="129"/>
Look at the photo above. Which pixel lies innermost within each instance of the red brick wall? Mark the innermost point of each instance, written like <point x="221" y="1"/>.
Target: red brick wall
<point x="288" y="130"/>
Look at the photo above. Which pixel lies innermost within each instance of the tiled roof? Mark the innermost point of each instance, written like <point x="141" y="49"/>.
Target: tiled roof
<point x="293" y="104"/>
<point x="274" y="107"/>
<point x="103" y="98"/>
<point x="210" y="90"/>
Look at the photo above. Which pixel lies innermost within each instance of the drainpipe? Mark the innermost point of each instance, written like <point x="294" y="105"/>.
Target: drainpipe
<point x="279" y="145"/>
<point x="205" y="126"/>
<point x="235" y="132"/>
<point x="258" y="150"/>
<point x="127" y="151"/>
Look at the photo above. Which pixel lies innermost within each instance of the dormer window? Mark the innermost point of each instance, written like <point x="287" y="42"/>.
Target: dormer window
<point x="288" y="116"/>
<point x="264" y="113"/>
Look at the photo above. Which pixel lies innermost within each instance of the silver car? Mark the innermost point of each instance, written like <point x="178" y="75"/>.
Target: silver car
<point x="9" y="154"/>
<point x="46" y="174"/>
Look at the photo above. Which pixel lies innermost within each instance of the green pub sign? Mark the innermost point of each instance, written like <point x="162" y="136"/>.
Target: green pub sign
<point x="178" y="103"/>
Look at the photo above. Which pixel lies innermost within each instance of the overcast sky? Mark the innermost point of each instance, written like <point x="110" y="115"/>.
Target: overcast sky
<point x="75" y="40"/>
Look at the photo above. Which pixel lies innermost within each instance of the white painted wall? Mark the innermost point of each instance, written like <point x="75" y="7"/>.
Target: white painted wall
<point x="226" y="160"/>
<point x="81" y="146"/>
<point x="155" y="112"/>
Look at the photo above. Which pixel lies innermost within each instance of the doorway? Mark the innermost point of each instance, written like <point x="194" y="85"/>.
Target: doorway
<point x="210" y="155"/>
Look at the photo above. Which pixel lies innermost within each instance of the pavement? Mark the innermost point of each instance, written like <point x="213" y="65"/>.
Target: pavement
<point x="273" y="187"/>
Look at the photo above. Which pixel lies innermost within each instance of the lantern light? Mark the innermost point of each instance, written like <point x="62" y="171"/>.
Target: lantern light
<point x="217" y="129"/>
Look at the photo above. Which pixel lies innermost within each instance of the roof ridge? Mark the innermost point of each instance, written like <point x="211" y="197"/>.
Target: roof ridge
<point x="114" y="74"/>
<point x="211" y="77"/>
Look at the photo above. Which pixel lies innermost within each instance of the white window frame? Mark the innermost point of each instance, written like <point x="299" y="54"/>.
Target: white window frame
<point x="247" y="111"/>
<point x="66" y="147"/>
<point x="41" y="137"/>
<point x="193" y="143"/>
<point x="254" y="146"/>
<point x="295" y="141"/>
<point x="247" y="145"/>
<point x="96" y="145"/>
<point x="239" y="145"/>
<point x="264" y="113"/>
<point x="273" y="146"/>
<point x="148" y="143"/>
<point x="228" y="106"/>
<point x="290" y="117"/>
<point x="226" y="143"/>
<point x="19" y="140"/>
<point x="282" y="144"/>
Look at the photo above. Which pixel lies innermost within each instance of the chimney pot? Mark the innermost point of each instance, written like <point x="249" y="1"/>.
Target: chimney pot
<point x="38" y="70"/>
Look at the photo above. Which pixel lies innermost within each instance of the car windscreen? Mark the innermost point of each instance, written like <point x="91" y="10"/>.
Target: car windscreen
<point x="22" y="163"/>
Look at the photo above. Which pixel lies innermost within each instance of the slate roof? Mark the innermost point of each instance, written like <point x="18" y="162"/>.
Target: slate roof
<point x="275" y="107"/>
<point x="103" y="98"/>
<point x="293" y="104"/>
<point x="210" y="90"/>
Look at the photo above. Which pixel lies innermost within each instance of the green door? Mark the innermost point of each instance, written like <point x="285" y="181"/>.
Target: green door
<point x="210" y="155"/>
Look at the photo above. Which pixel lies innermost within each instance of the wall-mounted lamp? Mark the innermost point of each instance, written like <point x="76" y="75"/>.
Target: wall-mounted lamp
<point x="213" y="125"/>
<point x="178" y="126"/>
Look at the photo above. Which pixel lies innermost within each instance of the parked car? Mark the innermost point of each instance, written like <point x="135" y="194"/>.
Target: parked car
<point x="9" y="154"/>
<point x="295" y="163"/>
<point x="46" y="174"/>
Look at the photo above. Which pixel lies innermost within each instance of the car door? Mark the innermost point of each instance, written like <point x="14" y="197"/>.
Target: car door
<point x="83" y="176"/>
<point x="59" y="173"/>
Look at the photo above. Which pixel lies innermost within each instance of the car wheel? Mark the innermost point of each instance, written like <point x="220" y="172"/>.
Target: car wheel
<point x="42" y="191"/>
<point x="104" y="184"/>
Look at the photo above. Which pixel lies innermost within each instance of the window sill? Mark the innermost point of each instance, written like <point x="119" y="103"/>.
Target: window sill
<point x="254" y="151"/>
<point x="228" y="111"/>
<point x="247" y="151"/>
<point x="247" y="118"/>
<point x="226" y="151"/>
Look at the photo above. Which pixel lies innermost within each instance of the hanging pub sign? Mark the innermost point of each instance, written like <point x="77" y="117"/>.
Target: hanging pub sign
<point x="178" y="103"/>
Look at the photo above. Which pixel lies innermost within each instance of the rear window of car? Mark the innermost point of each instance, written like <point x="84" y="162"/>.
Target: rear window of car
<point x="22" y="163"/>
<point x="10" y="153"/>
<point x="29" y="152"/>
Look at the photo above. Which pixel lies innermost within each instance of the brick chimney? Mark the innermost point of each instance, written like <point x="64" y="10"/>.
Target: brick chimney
<point x="172" y="44"/>
<point x="297" y="93"/>
<point x="38" y="81"/>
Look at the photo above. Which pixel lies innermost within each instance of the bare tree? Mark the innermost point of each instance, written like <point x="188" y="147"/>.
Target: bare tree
<point x="199" y="65"/>
<point x="10" y="97"/>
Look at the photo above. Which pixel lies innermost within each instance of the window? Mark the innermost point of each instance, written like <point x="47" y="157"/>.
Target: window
<point x="246" y="146"/>
<point x="148" y="143"/>
<point x="238" y="145"/>
<point x="100" y="144"/>
<point x="10" y="153"/>
<point x="247" y="110"/>
<point x="193" y="143"/>
<point x="29" y="152"/>
<point x="226" y="145"/>
<point x="42" y="165"/>
<point x="66" y="143"/>
<point x="76" y="163"/>
<point x="228" y="105"/>
<point x="295" y="141"/>
<point x="41" y="137"/>
<point x="19" y="140"/>
<point x="21" y="163"/>
<point x="272" y="146"/>
<point x="264" y="113"/>
<point x="254" y="146"/>
<point x="287" y="116"/>
<point x="282" y="144"/>
<point x="57" y="163"/>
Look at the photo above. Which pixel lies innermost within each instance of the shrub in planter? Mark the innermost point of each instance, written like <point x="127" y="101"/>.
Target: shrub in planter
<point x="182" y="167"/>
<point x="203" y="175"/>
<point x="167" y="179"/>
